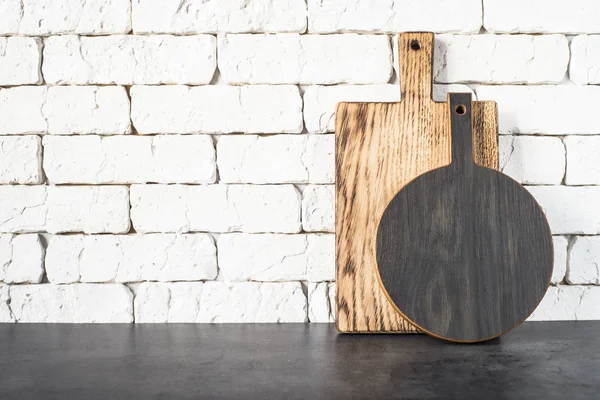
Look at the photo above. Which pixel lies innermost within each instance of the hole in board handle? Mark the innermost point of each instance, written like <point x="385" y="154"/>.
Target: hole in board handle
<point x="460" y="109"/>
<point x="415" y="45"/>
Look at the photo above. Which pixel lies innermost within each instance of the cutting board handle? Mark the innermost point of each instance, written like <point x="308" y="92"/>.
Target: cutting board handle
<point x="461" y="130"/>
<point x="415" y="54"/>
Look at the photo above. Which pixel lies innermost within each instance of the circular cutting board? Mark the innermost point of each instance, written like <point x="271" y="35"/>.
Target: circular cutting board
<point x="464" y="252"/>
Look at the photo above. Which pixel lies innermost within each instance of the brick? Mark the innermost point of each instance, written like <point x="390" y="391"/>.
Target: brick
<point x="583" y="160"/>
<point x="560" y="245"/>
<point x="321" y="302"/>
<point x="393" y="16"/>
<point x="6" y="314"/>
<point x="130" y="258"/>
<point x="198" y="16"/>
<point x="216" y="109"/>
<point x="269" y="257"/>
<point x="585" y="53"/>
<point x="129" y="60"/>
<point x="80" y="303"/>
<point x="549" y="110"/>
<point x="584" y="261"/>
<point x="534" y="160"/>
<point x="565" y="211"/>
<point x="541" y="16"/>
<point x="64" y="110"/>
<point x="22" y="208"/>
<point x="215" y="208"/>
<point x="298" y="159"/>
<point x="88" y="209"/>
<point x="563" y="303"/>
<point x="305" y="59"/>
<point x="318" y="208"/>
<point x="83" y="17"/>
<point x="20" y="160"/>
<point x="500" y="59"/>
<point x="20" y="61"/>
<point x="129" y="159"/>
<point x="220" y="302"/>
<point x="320" y="101"/>
<point x="21" y="258"/>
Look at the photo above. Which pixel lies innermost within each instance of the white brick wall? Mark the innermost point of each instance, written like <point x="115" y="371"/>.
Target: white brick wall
<point x="129" y="60"/>
<point x="541" y="16"/>
<point x="64" y="110"/>
<point x="20" y="60"/>
<point x="171" y="16"/>
<point x="215" y="208"/>
<point x="534" y="160"/>
<point x="130" y="258"/>
<point x="20" y="159"/>
<point x="297" y="159"/>
<point x="82" y="17"/>
<point x="216" y="109"/>
<point x="174" y="162"/>
<point x="269" y="257"/>
<point x="305" y="59"/>
<point x="501" y="58"/>
<point x="129" y="159"/>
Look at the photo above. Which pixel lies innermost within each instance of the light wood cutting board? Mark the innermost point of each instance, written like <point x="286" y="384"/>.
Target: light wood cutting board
<point x="380" y="147"/>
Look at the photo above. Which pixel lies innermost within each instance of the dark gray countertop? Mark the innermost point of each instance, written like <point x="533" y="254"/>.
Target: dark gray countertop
<point x="538" y="360"/>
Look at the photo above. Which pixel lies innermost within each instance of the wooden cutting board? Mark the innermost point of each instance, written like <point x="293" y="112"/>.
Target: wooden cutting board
<point x="464" y="252"/>
<point x="380" y="147"/>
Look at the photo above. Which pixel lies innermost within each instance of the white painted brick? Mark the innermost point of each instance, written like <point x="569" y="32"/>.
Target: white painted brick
<point x="270" y="257"/>
<point x="20" y="159"/>
<point x="20" y="60"/>
<point x="195" y="16"/>
<point x="569" y="303"/>
<point x="393" y="16"/>
<point x="6" y="314"/>
<point x="130" y="258"/>
<point x="215" y="208"/>
<point x="88" y="209"/>
<point x="320" y="101"/>
<point x="21" y="258"/>
<point x="22" y="208"/>
<point x="318" y="208"/>
<point x="551" y="110"/>
<point x="583" y="160"/>
<point x="565" y="209"/>
<point x="276" y="159"/>
<point x="216" y="109"/>
<point x="129" y="159"/>
<point x="560" y="244"/>
<point x="220" y="302"/>
<point x="321" y="302"/>
<point x="64" y="110"/>
<point x="584" y="261"/>
<point x="83" y="17"/>
<point x="584" y="68"/>
<point x="534" y="160"/>
<point x="305" y="59"/>
<point x="500" y="58"/>
<point x="129" y="60"/>
<point x="541" y="16"/>
<point x="81" y="303"/>
<point x="152" y="301"/>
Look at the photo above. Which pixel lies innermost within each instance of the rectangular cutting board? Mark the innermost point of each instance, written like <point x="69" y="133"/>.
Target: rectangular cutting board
<point x="380" y="147"/>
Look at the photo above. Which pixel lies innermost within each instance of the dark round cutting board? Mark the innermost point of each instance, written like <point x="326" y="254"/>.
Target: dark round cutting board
<point x="464" y="252"/>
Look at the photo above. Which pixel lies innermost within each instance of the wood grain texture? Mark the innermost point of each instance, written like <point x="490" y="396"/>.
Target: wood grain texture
<point x="380" y="147"/>
<point x="464" y="252"/>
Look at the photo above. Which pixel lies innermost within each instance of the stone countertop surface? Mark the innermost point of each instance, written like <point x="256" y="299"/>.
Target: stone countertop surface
<point x="549" y="360"/>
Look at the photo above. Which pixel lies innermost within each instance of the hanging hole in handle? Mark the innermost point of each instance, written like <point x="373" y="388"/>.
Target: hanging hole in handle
<point x="415" y="45"/>
<point x="460" y="109"/>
